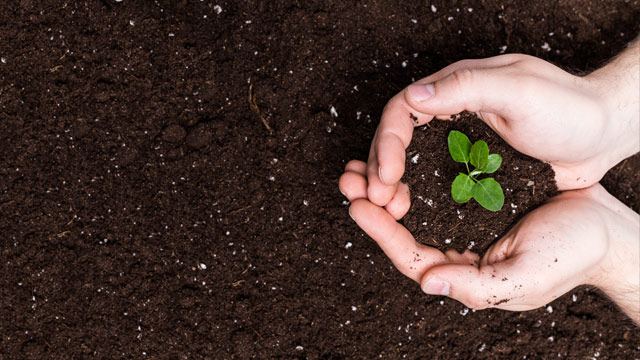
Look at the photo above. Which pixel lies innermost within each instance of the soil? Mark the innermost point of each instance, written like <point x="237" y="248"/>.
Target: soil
<point x="168" y="178"/>
<point x="435" y="219"/>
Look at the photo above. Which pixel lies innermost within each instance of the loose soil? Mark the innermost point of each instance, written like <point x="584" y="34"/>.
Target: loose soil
<point x="168" y="178"/>
<point x="436" y="220"/>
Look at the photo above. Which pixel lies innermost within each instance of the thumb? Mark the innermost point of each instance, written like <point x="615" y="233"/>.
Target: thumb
<point x="494" y="285"/>
<point x="487" y="90"/>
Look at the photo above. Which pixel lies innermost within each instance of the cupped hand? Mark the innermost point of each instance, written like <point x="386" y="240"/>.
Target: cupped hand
<point x="410" y="257"/>
<point x="539" y="109"/>
<point x="564" y="243"/>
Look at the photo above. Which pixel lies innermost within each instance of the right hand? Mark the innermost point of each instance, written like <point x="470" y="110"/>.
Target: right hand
<point x="578" y="237"/>
<point x="536" y="107"/>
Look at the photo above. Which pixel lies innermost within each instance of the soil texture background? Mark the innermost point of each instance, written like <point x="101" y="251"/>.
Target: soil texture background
<point x="168" y="178"/>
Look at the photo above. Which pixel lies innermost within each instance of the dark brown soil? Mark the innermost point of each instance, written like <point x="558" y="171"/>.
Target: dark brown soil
<point x="152" y="205"/>
<point x="436" y="220"/>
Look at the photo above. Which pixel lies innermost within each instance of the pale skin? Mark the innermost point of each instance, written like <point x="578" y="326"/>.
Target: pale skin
<point x="581" y="126"/>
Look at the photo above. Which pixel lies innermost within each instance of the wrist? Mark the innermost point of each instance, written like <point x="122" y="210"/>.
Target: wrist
<point x="617" y="85"/>
<point x="618" y="275"/>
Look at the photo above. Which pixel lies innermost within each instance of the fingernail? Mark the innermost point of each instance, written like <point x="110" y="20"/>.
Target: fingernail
<point x="342" y="192"/>
<point x="436" y="287"/>
<point x="351" y="215"/>
<point x="380" y="174"/>
<point x="421" y="92"/>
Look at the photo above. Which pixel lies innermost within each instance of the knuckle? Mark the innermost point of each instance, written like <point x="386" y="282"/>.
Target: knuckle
<point x="463" y="77"/>
<point x="461" y="82"/>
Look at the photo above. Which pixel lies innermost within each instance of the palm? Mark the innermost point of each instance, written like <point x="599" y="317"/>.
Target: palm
<point x="545" y="255"/>
<point x="541" y="258"/>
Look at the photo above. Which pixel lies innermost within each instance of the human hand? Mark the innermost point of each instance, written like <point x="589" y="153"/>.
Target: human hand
<point x="579" y="237"/>
<point x="582" y="126"/>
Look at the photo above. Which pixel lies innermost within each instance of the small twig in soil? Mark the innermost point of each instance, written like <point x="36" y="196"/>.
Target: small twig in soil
<point x="70" y="221"/>
<point x="454" y="227"/>
<point x="7" y="203"/>
<point x="64" y="55"/>
<point x="254" y="107"/>
<point x="259" y="336"/>
<point x="241" y="209"/>
<point x="246" y="270"/>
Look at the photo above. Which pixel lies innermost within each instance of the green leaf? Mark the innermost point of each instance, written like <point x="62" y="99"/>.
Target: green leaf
<point x="479" y="155"/>
<point x="488" y="193"/>
<point x="459" y="146"/>
<point x="495" y="161"/>
<point x="461" y="188"/>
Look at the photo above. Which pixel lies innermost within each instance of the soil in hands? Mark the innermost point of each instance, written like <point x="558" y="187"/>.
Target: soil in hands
<point x="436" y="219"/>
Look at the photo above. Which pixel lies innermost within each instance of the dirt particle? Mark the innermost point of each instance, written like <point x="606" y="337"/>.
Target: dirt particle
<point x="199" y="136"/>
<point x="175" y="153"/>
<point x="126" y="156"/>
<point x="173" y="133"/>
<point x="501" y="301"/>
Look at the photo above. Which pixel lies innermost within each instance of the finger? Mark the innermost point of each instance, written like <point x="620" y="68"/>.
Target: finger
<point x="523" y="281"/>
<point x="487" y="63"/>
<point x="392" y="138"/>
<point x="356" y="166"/>
<point x="391" y="154"/>
<point x="411" y="258"/>
<point x="467" y="257"/>
<point x="401" y="202"/>
<point x="495" y="62"/>
<point x="493" y="285"/>
<point x="497" y="282"/>
<point x="487" y="90"/>
<point x="378" y="192"/>
<point x="501" y="250"/>
<point x="353" y="185"/>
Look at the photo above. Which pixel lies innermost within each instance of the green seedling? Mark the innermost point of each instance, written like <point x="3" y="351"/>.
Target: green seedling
<point x="487" y="191"/>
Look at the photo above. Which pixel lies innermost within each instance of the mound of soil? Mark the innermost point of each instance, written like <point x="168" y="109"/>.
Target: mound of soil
<point x="435" y="219"/>
<point x="168" y="178"/>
